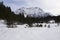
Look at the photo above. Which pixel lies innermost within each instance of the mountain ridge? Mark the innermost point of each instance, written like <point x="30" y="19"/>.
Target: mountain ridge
<point x="32" y="12"/>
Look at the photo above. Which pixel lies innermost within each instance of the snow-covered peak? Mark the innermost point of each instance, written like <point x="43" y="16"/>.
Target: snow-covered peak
<point x="32" y="11"/>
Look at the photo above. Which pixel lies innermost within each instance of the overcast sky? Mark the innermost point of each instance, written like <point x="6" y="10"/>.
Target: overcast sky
<point x="52" y="6"/>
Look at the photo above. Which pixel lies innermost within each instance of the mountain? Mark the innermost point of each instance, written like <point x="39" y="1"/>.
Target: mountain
<point x="32" y="12"/>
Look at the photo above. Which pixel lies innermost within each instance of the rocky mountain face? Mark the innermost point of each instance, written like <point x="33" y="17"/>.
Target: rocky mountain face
<point x="32" y="12"/>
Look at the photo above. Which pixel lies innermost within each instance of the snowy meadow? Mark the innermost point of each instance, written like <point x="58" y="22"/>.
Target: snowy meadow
<point x="23" y="32"/>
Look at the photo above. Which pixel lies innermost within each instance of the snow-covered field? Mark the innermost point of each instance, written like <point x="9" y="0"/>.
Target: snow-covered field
<point x="30" y="33"/>
<point x="34" y="33"/>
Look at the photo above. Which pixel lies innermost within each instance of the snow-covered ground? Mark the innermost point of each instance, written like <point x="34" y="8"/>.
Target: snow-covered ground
<point x="30" y="33"/>
<point x="34" y="33"/>
<point x="2" y="24"/>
